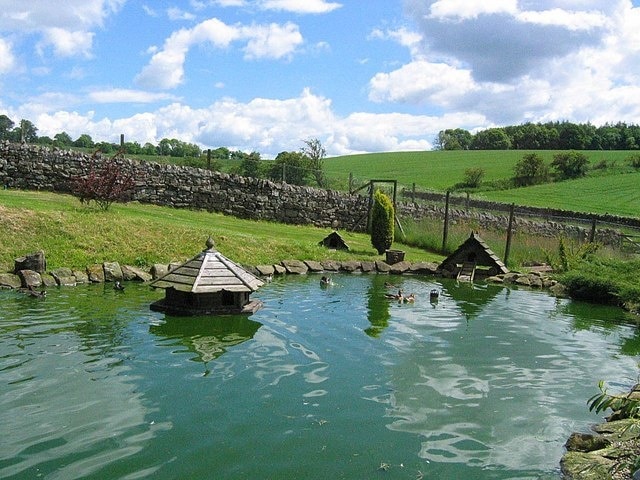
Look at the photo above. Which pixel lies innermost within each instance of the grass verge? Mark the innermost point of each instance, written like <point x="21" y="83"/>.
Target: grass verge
<point x="73" y="235"/>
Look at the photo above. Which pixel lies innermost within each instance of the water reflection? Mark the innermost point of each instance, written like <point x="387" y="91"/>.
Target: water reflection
<point x="495" y="392"/>
<point x="70" y="399"/>
<point x="472" y="298"/>
<point x="208" y="337"/>
<point x="321" y="383"/>
<point x="377" y="306"/>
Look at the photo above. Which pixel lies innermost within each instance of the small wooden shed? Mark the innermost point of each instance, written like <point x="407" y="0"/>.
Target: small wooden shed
<point x="208" y="284"/>
<point x="334" y="241"/>
<point x="473" y="259"/>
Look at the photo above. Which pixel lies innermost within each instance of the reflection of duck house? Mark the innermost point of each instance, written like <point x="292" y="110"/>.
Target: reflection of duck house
<point x="209" y="338"/>
<point x="208" y="284"/>
<point x="473" y="259"/>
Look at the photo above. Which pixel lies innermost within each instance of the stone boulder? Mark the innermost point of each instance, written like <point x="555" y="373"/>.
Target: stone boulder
<point x="314" y="266"/>
<point x="330" y="265"/>
<point x="48" y="280"/>
<point x="30" y="278"/>
<point x="33" y="261"/>
<point x="295" y="266"/>
<point x="64" y="277"/>
<point x="95" y="273"/>
<point x="368" y="267"/>
<point x="112" y="272"/>
<point x="586" y="442"/>
<point x="279" y="270"/>
<point x="136" y="274"/>
<point x="159" y="270"/>
<point x="81" y="277"/>
<point x="265" y="270"/>
<point x="382" y="267"/>
<point x="424" y="268"/>
<point x="400" y="267"/>
<point x="10" y="280"/>
<point x="351" y="266"/>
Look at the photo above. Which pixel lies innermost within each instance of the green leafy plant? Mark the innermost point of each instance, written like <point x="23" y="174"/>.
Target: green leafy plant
<point x="570" y="164"/>
<point x="634" y="160"/>
<point x="623" y="404"/>
<point x="382" y="222"/>
<point x="530" y="170"/>
<point x="473" y="177"/>
<point x="570" y="253"/>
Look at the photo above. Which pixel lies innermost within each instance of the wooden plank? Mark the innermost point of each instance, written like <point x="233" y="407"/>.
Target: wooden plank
<point x="219" y="281"/>
<point x="177" y="278"/>
<point x="186" y="271"/>
<point x="207" y="272"/>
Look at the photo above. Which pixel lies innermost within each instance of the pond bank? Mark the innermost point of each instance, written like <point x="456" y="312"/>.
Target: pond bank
<point x="611" y="452"/>
<point x="31" y="273"/>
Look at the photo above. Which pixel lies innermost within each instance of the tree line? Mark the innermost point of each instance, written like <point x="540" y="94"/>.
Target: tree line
<point x="296" y="167"/>
<point x="543" y="136"/>
<point x="26" y="131"/>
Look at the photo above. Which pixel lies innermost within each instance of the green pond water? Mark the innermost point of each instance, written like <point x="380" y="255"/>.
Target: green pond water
<point x="321" y="383"/>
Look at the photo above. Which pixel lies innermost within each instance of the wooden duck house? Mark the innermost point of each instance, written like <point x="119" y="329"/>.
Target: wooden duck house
<point x="334" y="241"/>
<point x="473" y="259"/>
<point x="208" y="284"/>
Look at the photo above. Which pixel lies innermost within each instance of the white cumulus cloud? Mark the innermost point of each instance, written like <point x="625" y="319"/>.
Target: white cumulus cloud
<point x="7" y="59"/>
<point x="300" y="6"/>
<point x="166" y="68"/>
<point x="68" y="29"/>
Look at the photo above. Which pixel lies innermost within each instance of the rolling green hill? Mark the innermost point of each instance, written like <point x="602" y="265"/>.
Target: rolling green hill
<point x="614" y="189"/>
<point x="615" y="194"/>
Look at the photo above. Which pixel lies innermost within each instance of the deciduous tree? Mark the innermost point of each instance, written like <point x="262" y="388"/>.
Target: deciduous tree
<point x="315" y="154"/>
<point x="570" y="164"/>
<point x="530" y="170"/>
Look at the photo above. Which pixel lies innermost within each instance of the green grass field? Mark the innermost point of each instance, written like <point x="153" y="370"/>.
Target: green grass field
<point x="615" y="189"/>
<point x="74" y="236"/>
<point x="614" y="194"/>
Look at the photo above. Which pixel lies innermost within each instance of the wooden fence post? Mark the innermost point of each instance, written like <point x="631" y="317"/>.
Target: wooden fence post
<point x="445" y="232"/>
<point x="507" y="248"/>
<point x="592" y="236"/>
<point x="208" y="159"/>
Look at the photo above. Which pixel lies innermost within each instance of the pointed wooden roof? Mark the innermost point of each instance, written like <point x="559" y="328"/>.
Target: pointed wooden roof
<point x="209" y="272"/>
<point x="485" y="255"/>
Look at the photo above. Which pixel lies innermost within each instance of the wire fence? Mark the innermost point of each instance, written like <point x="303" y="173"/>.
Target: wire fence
<point x="622" y="233"/>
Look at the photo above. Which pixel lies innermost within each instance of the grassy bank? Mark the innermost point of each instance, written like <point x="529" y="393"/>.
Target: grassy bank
<point x="73" y="235"/>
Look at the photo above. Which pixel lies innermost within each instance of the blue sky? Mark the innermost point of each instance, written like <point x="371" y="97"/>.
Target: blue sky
<point x="361" y="76"/>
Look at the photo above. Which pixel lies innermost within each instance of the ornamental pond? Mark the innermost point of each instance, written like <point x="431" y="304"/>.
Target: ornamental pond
<point x="336" y="382"/>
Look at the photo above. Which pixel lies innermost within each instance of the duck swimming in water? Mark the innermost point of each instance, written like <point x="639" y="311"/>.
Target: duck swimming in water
<point x="409" y="298"/>
<point x="36" y="293"/>
<point x="325" y="281"/>
<point x="394" y="296"/>
<point x="118" y="286"/>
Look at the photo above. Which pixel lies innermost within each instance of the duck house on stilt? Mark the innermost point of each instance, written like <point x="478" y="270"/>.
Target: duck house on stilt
<point x="208" y="284"/>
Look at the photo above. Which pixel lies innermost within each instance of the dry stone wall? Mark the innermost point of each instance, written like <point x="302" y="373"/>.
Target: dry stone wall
<point x="39" y="168"/>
